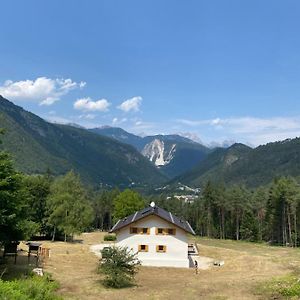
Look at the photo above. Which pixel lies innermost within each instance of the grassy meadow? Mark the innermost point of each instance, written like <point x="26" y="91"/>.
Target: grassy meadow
<point x="251" y="271"/>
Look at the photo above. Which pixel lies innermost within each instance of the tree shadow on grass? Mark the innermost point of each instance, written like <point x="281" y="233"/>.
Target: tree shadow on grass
<point x="23" y="267"/>
<point x="10" y="271"/>
<point x="126" y="285"/>
<point x="76" y="241"/>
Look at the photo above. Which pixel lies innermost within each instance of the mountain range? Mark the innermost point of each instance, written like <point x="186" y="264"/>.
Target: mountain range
<point x="240" y="164"/>
<point x="113" y="157"/>
<point x="38" y="146"/>
<point x="172" y="154"/>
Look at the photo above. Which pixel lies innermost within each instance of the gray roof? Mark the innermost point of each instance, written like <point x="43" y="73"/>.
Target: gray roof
<point x="157" y="211"/>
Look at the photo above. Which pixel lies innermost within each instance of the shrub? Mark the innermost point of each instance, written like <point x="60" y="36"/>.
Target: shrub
<point x="119" y="267"/>
<point x="110" y="237"/>
<point x="32" y="288"/>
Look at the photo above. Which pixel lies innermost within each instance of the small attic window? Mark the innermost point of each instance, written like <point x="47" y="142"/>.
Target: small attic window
<point x="160" y="231"/>
<point x="171" y="231"/>
<point x="145" y="230"/>
<point x="133" y="230"/>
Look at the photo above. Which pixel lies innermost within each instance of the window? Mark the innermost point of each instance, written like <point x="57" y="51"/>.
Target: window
<point x="144" y="230"/>
<point x="133" y="230"/>
<point x="143" y="248"/>
<point x="165" y="231"/>
<point x="136" y="230"/>
<point x="171" y="231"/>
<point x="160" y="231"/>
<point x="161" y="248"/>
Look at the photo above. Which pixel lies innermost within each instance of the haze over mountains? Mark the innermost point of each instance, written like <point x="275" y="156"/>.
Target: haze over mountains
<point x="111" y="156"/>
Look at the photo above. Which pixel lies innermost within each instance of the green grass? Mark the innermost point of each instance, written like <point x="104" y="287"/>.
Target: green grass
<point x="285" y="287"/>
<point x="251" y="248"/>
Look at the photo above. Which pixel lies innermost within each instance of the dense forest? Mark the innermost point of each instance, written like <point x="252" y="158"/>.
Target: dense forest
<point x="268" y="213"/>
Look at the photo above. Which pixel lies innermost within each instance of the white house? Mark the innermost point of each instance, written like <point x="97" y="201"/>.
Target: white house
<point x="159" y="237"/>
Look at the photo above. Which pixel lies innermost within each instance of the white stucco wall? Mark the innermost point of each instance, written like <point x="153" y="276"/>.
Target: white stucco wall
<point x="176" y="254"/>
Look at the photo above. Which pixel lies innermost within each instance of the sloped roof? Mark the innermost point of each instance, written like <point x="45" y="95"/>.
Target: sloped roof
<point x="157" y="211"/>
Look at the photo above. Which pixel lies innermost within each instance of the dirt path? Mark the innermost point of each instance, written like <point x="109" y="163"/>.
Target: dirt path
<point x="74" y="266"/>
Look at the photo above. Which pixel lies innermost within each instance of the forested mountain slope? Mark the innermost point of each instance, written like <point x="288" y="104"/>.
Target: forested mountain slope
<point x="252" y="167"/>
<point x="37" y="145"/>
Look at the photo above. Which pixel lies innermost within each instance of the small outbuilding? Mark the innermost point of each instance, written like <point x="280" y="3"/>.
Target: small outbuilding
<point x="159" y="237"/>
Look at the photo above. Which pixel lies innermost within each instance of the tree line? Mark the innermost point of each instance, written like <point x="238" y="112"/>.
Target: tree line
<point x="269" y="213"/>
<point x="60" y="207"/>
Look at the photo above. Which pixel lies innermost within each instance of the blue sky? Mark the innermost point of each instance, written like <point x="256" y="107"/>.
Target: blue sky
<point x="218" y="70"/>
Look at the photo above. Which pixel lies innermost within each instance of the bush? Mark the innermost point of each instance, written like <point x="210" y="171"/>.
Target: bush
<point x="32" y="288"/>
<point x="119" y="267"/>
<point x="110" y="237"/>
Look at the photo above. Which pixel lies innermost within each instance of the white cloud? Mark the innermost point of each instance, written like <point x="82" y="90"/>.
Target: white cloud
<point x="250" y="129"/>
<point x="87" y="104"/>
<point x="87" y="116"/>
<point x="192" y="123"/>
<point x="132" y="104"/>
<point x="246" y="125"/>
<point x="43" y="90"/>
<point x="117" y="121"/>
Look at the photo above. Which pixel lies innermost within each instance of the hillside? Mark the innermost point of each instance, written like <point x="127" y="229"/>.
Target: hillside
<point x="120" y="135"/>
<point x="37" y="145"/>
<point x="252" y="167"/>
<point x="172" y="154"/>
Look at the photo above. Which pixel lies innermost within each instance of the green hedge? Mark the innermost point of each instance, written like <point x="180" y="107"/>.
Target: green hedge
<point x="110" y="237"/>
<point x="32" y="288"/>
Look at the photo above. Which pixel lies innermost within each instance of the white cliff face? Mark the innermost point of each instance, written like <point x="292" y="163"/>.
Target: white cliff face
<point x="157" y="153"/>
